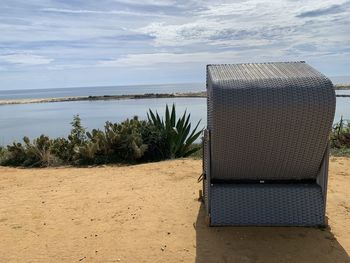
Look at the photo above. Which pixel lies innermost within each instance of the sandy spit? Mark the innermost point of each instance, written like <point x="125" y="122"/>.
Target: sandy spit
<point x="125" y="97"/>
<point x="104" y="97"/>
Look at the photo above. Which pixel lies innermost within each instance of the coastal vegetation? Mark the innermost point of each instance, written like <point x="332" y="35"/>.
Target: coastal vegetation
<point x="340" y="138"/>
<point x="131" y="141"/>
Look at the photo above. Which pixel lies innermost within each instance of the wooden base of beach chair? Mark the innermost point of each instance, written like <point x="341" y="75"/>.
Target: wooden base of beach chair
<point x="200" y="196"/>
<point x="207" y="221"/>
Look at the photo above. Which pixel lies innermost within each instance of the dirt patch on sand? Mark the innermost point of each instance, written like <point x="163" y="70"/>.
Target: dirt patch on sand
<point x="149" y="213"/>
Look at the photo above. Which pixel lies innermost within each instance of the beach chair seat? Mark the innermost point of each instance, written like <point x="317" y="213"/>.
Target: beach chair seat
<point x="266" y="144"/>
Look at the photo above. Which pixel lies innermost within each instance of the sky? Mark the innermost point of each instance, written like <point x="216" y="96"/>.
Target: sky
<point x="75" y="43"/>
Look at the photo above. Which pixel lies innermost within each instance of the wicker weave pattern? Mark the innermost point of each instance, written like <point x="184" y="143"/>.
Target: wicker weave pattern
<point x="268" y="121"/>
<point x="264" y="205"/>
<point x="206" y="169"/>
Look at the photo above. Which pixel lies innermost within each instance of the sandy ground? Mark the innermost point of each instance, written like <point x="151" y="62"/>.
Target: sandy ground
<point x="149" y="213"/>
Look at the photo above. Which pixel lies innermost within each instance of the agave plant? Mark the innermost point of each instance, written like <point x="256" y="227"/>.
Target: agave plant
<point x="179" y="136"/>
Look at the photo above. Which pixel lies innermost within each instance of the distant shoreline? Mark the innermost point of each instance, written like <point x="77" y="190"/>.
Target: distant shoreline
<point x="201" y="94"/>
<point x="106" y="97"/>
<point x="342" y="86"/>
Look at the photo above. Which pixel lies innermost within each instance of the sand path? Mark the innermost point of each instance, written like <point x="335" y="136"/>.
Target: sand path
<point x="149" y="213"/>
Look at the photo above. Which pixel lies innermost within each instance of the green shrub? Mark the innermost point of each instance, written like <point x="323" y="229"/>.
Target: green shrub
<point x="77" y="134"/>
<point x="340" y="135"/>
<point x="125" y="139"/>
<point x="66" y="149"/>
<point x="178" y="135"/>
<point x="36" y="154"/>
<point x="97" y="150"/>
<point x="2" y="153"/>
<point x="155" y="139"/>
<point x="63" y="149"/>
<point x="86" y="153"/>
<point x="14" y="155"/>
<point x="120" y="142"/>
<point x="340" y="152"/>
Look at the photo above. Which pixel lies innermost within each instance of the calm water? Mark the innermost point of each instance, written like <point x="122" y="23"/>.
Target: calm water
<point x="53" y="119"/>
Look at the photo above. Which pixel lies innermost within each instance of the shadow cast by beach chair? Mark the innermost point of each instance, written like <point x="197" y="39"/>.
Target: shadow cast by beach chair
<point x="266" y="244"/>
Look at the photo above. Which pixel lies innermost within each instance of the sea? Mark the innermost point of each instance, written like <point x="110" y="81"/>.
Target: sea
<point x="53" y="119"/>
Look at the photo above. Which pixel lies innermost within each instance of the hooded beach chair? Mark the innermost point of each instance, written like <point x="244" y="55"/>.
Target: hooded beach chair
<point x="266" y="144"/>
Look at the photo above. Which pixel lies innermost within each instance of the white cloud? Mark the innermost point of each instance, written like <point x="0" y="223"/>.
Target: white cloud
<point x="149" y="2"/>
<point x="141" y="60"/>
<point x="214" y="32"/>
<point x="321" y="6"/>
<point x="244" y="23"/>
<point x="100" y="12"/>
<point x="149" y="59"/>
<point x="229" y="9"/>
<point x="270" y="25"/>
<point x="25" y="59"/>
<point x="70" y="66"/>
<point x="180" y="34"/>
